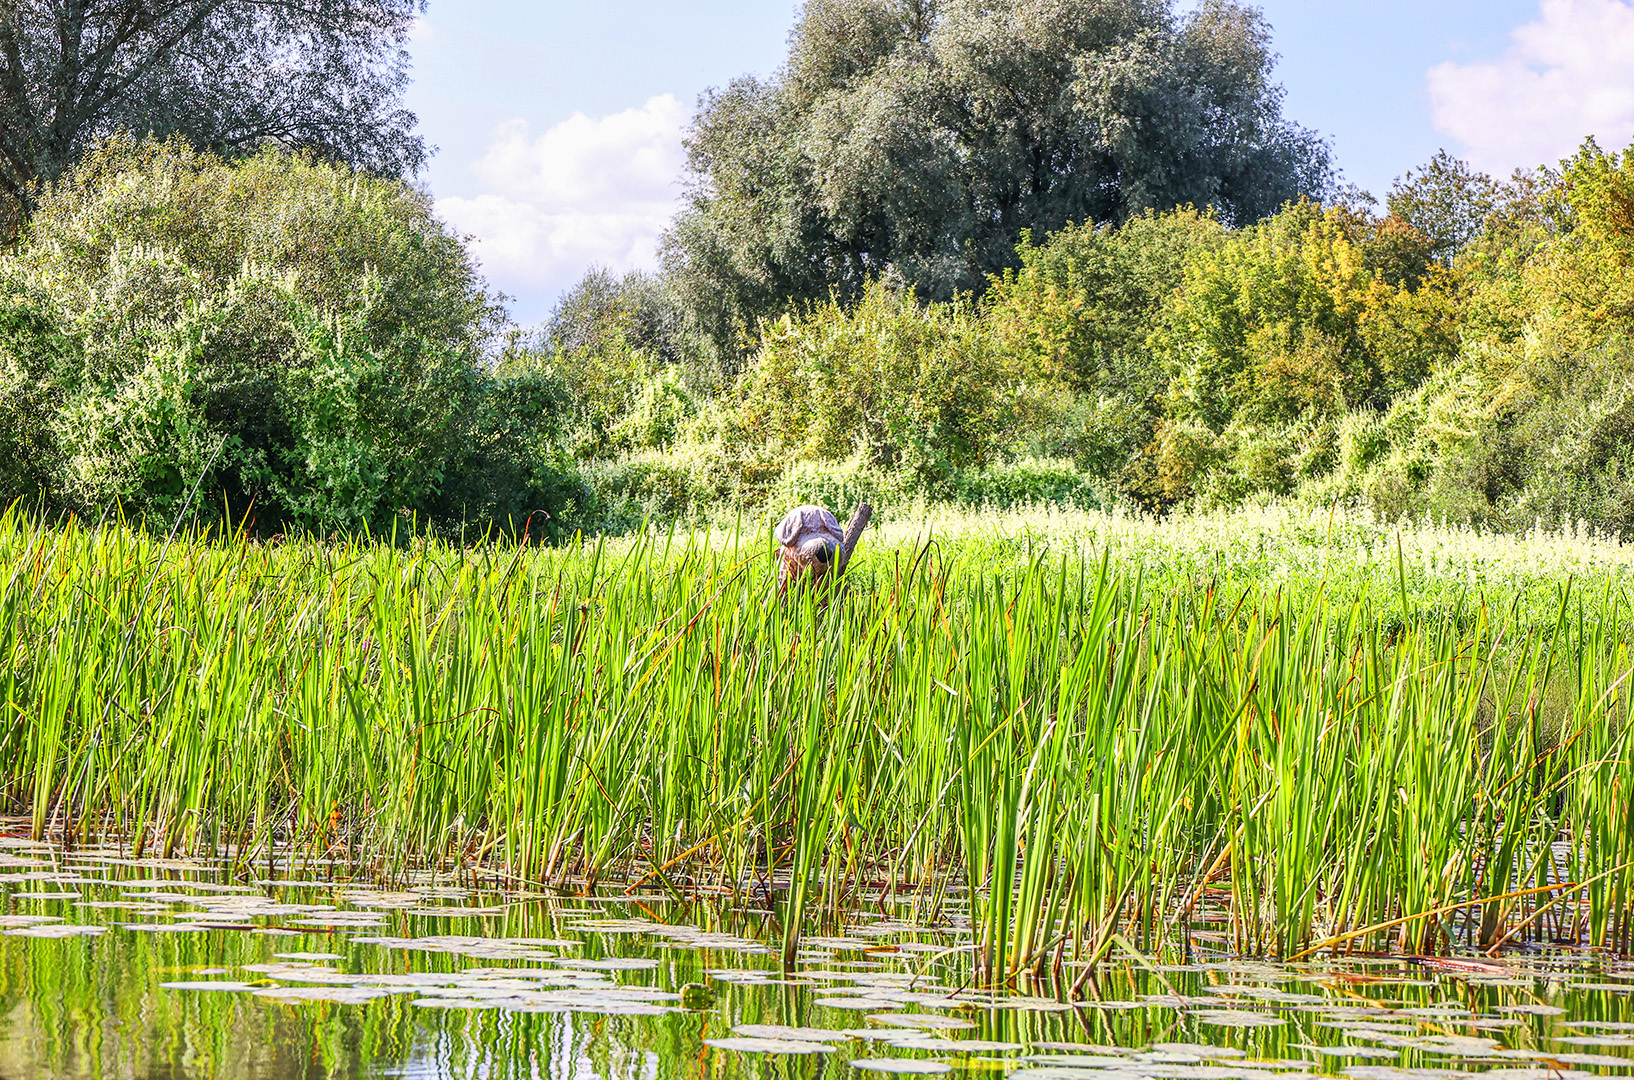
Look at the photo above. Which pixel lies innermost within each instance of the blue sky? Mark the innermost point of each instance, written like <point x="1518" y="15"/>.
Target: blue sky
<point x="558" y="124"/>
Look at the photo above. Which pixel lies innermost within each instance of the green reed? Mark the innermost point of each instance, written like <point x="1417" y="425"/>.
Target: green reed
<point x="1096" y="750"/>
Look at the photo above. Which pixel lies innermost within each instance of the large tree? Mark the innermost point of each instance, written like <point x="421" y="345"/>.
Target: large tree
<point x="227" y="75"/>
<point x="919" y="138"/>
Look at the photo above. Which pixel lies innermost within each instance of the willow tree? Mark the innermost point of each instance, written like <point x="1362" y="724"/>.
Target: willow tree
<point x="324" y="76"/>
<point x="917" y="139"/>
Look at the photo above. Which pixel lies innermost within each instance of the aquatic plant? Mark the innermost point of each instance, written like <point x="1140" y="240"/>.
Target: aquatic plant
<point x="1098" y="747"/>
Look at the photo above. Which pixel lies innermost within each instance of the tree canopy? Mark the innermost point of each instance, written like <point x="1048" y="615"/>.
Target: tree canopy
<point x="324" y="76"/>
<point x="917" y="139"/>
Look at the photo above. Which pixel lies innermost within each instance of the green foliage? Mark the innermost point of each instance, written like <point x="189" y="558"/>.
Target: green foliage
<point x="1081" y="306"/>
<point x="34" y="358"/>
<point x="1290" y="323"/>
<point x="1447" y="202"/>
<point x="1287" y="319"/>
<point x="924" y="389"/>
<point x="509" y="473"/>
<point x="922" y="139"/>
<point x="305" y="341"/>
<point x="1085" y="718"/>
<point x="1465" y="355"/>
<point x="1532" y="420"/>
<point x="325" y="77"/>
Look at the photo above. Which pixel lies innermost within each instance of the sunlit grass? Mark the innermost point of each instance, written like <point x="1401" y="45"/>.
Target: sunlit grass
<point x="1322" y="724"/>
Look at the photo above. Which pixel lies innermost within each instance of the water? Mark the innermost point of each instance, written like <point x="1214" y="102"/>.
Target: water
<point x="154" y="970"/>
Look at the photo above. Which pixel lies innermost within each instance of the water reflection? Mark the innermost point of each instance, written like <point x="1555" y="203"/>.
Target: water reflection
<point x="292" y="977"/>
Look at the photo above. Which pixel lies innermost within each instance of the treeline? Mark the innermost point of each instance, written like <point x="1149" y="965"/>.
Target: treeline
<point x="1462" y="350"/>
<point x="300" y="345"/>
<point x="1066" y="252"/>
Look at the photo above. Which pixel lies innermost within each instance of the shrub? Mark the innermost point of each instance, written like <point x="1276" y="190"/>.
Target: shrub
<point x="301" y="338"/>
<point x="1292" y="318"/>
<point x="914" y="387"/>
<point x="1027" y="482"/>
<point x="1081" y="307"/>
<point x="509" y="473"/>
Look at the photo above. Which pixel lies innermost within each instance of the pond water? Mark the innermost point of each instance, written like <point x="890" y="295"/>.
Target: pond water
<point x="112" y="967"/>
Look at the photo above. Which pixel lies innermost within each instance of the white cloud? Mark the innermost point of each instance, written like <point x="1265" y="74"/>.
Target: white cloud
<point x="585" y="192"/>
<point x="1566" y="75"/>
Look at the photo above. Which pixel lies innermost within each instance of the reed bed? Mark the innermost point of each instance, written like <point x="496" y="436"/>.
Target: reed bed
<point x="1102" y="748"/>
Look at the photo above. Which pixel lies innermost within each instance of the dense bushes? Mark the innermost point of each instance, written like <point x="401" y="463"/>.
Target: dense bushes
<point x="924" y="389"/>
<point x="312" y="348"/>
<point x="1467" y="354"/>
<point x="303" y="344"/>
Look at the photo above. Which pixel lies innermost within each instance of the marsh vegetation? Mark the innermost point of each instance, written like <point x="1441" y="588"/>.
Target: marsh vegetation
<point x="1346" y="737"/>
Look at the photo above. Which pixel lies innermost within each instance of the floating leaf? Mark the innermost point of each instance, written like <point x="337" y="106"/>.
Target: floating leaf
<point x="797" y="1034"/>
<point x="1237" y="1018"/>
<point x="1202" y="1050"/>
<point x="925" y="1020"/>
<point x="1351" y="1051"/>
<point x="625" y="963"/>
<point x="970" y="1046"/>
<point x="1603" y="1060"/>
<point x="906" y="1066"/>
<point x="1394" y="1072"/>
<point x="57" y="930"/>
<point x="344" y="995"/>
<point x="769" y="1046"/>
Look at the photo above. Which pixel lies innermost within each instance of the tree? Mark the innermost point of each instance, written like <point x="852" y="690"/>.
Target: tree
<point x="324" y="76"/>
<point x="917" y="139"/>
<point x="1288" y="321"/>
<point x="1448" y="201"/>
<point x="289" y="334"/>
<point x="1082" y="305"/>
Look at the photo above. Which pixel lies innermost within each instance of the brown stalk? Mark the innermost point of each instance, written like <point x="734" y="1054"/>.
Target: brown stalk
<point x="853" y="533"/>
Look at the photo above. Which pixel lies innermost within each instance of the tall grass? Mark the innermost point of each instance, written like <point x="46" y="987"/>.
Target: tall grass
<point x="1099" y="748"/>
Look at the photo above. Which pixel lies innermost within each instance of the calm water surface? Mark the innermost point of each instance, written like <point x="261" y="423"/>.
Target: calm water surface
<point x="152" y="970"/>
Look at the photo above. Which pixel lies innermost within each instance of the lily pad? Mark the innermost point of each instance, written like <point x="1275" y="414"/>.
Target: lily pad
<point x="926" y="1021"/>
<point x="769" y="1046"/>
<point x="57" y="930"/>
<point x="620" y="963"/>
<point x="796" y="1034"/>
<point x="1352" y="1051"/>
<point x="1608" y="1061"/>
<point x="971" y="1046"/>
<point x="343" y="995"/>
<point x="902" y="1066"/>
<point x="1237" y="1018"/>
<point x="1202" y="1050"/>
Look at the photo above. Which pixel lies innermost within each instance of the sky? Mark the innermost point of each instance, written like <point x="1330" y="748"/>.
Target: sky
<point x="559" y="125"/>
